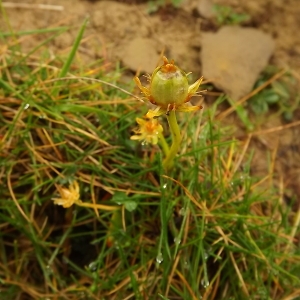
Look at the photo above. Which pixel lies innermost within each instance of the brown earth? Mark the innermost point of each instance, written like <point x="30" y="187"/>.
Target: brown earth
<point x="124" y="31"/>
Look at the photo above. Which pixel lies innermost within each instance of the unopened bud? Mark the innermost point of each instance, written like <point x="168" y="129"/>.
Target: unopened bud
<point x="169" y="85"/>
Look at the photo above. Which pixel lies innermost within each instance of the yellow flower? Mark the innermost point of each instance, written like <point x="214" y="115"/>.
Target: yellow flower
<point x="169" y="90"/>
<point x="68" y="196"/>
<point x="148" y="131"/>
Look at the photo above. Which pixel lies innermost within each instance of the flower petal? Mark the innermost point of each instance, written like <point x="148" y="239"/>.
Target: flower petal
<point x="153" y="140"/>
<point x="144" y="90"/>
<point x="136" y="137"/>
<point x="194" y="87"/>
<point x="65" y="203"/>
<point x="140" y="121"/>
<point x="188" y="108"/>
<point x="156" y="112"/>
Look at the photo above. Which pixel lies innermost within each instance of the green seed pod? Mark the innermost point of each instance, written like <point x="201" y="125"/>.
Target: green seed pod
<point x="169" y="85"/>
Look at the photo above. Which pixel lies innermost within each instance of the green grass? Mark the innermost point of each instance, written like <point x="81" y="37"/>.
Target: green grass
<point x="207" y="229"/>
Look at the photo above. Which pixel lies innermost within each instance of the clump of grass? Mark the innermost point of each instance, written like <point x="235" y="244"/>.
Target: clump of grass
<point x="209" y="229"/>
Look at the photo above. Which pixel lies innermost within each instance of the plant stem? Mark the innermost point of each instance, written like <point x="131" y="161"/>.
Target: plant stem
<point x="176" y="140"/>
<point x="163" y="144"/>
<point x="115" y="224"/>
<point x="97" y="206"/>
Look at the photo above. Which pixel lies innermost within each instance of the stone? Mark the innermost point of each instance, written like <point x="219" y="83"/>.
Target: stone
<point x="205" y="9"/>
<point x="233" y="58"/>
<point x="140" y="54"/>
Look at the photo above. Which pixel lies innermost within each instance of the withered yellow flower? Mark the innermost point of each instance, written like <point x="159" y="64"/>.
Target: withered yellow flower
<point x="148" y="131"/>
<point x="68" y="196"/>
<point x="169" y="90"/>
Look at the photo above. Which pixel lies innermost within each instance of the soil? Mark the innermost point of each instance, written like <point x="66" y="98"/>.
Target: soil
<point x="125" y="31"/>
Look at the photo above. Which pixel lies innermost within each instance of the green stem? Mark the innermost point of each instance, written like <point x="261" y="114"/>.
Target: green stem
<point x="163" y="144"/>
<point x="176" y="140"/>
<point x="115" y="224"/>
<point x="97" y="206"/>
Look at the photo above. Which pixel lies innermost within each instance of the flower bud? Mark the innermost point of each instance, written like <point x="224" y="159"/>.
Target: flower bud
<point x="169" y="90"/>
<point x="169" y="85"/>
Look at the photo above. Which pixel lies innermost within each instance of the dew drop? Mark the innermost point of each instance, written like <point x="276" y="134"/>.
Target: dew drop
<point x="81" y="295"/>
<point x="186" y="265"/>
<point x="49" y="270"/>
<point x="205" y="255"/>
<point x="117" y="245"/>
<point x="93" y="266"/>
<point x="159" y="258"/>
<point x="183" y="211"/>
<point x="261" y="291"/>
<point x="274" y="272"/>
<point x="26" y="106"/>
<point x="205" y="283"/>
<point x="42" y="116"/>
<point x="165" y="186"/>
<point x="177" y="240"/>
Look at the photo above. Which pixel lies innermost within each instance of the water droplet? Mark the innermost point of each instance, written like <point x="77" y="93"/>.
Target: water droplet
<point x="186" y="265"/>
<point x="183" y="211"/>
<point x="49" y="270"/>
<point x="205" y="255"/>
<point x="93" y="266"/>
<point x="177" y="240"/>
<point x="205" y="283"/>
<point x="159" y="258"/>
<point x="26" y="106"/>
<point x="261" y="291"/>
<point x="81" y="295"/>
<point x="115" y="243"/>
<point x="165" y="186"/>
<point x="143" y="143"/>
<point x="274" y="272"/>
<point x="42" y="116"/>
